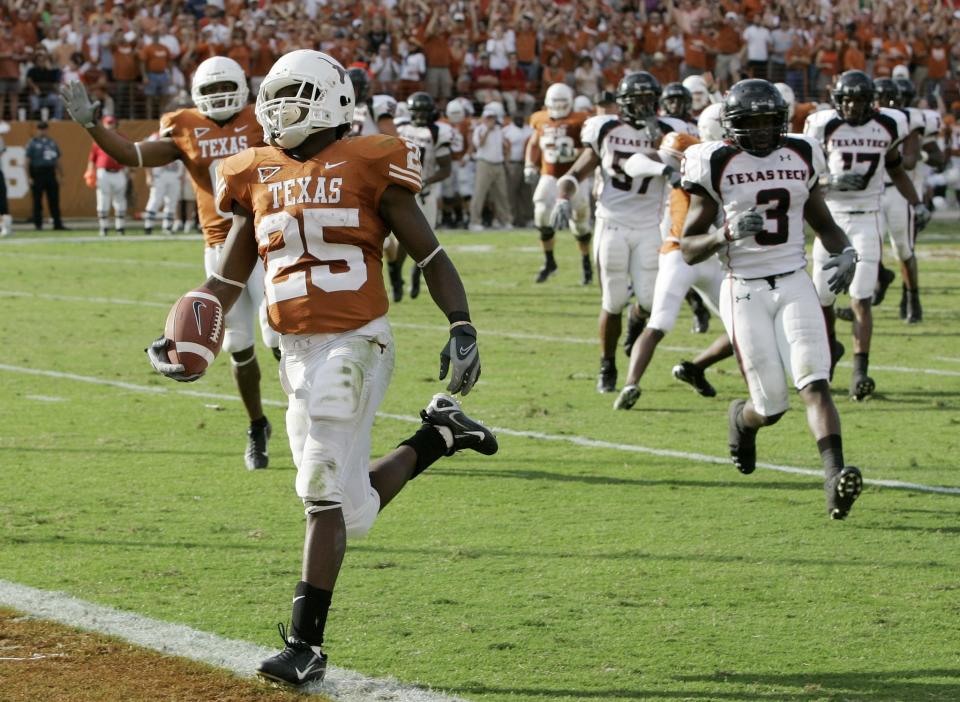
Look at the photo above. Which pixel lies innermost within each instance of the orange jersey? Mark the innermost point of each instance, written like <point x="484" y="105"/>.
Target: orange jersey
<point x="801" y="111"/>
<point x="203" y="144"/>
<point x="679" y="203"/>
<point x="319" y="229"/>
<point x="558" y="140"/>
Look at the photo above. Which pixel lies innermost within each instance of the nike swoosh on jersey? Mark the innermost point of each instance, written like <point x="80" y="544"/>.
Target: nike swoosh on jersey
<point x="329" y="165"/>
<point x="237" y="130"/>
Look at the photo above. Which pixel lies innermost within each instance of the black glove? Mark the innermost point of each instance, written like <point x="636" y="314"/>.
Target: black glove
<point x="157" y="353"/>
<point x="461" y="352"/>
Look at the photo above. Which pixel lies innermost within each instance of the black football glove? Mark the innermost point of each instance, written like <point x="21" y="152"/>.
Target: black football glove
<point x="461" y="353"/>
<point x="157" y="353"/>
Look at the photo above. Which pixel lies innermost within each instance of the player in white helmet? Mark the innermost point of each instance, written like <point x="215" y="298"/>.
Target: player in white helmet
<point x="551" y="151"/>
<point x="581" y="103"/>
<point x="374" y="113"/>
<point x="708" y="123"/>
<point x="453" y="198"/>
<point x="700" y="94"/>
<point x="221" y="124"/>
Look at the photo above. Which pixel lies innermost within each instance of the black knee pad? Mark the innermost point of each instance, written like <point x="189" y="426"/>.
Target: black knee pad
<point x="546" y="233"/>
<point x="583" y="238"/>
<point x="772" y="419"/>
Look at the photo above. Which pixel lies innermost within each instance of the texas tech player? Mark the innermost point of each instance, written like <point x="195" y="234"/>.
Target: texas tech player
<point x="434" y="140"/>
<point x="628" y="211"/>
<point x="220" y="125"/>
<point x="677" y="102"/>
<point x="317" y="208"/>
<point x="165" y="187"/>
<point x="552" y="149"/>
<point x="455" y="195"/>
<point x="858" y="139"/>
<point x="764" y="184"/>
<point x="373" y="115"/>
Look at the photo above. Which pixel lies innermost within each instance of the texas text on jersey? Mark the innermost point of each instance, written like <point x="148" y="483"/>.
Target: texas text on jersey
<point x="777" y="185"/>
<point x="860" y="148"/>
<point x="204" y="144"/>
<point x="621" y="198"/>
<point x="558" y="140"/>
<point x="318" y="227"/>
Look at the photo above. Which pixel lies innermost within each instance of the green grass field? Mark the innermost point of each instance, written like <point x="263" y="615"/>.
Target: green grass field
<point x="552" y="571"/>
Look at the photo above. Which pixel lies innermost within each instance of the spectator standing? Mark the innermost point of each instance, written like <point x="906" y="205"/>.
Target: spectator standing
<point x="436" y="50"/>
<point x="413" y="68"/>
<point x="937" y="66"/>
<point x="44" y="172"/>
<point x="12" y="54"/>
<point x="513" y="86"/>
<point x="157" y="59"/>
<point x="264" y="55"/>
<point x="587" y="78"/>
<point x="499" y="47"/>
<point x="490" y="151"/>
<point x="43" y="83"/>
<point x="240" y="52"/>
<point x="515" y="134"/>
<point x="125" y="71"/>
<point x="759" y="41"/>
<point x="728" y="45"/>
<point x="385" y="71"/>
<point x="782" y="39"/>
<point x="526" y="45"/>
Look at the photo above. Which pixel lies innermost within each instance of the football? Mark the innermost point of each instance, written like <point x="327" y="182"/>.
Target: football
<point x="195" y="330"/>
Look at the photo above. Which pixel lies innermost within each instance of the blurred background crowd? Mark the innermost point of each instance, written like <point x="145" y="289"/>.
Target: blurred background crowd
<point x="137" y="56"/>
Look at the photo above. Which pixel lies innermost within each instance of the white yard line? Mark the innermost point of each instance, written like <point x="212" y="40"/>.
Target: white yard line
<point x="112" y="239"/>
<point x="197" y="265"/>
<point x="504" y="431"/>
<point x="239" y="657"/>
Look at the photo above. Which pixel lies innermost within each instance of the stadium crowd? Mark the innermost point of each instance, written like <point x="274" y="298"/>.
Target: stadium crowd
<point x="137" y="56"/>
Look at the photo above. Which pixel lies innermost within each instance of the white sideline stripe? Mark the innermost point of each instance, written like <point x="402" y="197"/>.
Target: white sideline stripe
<point x="946" y="358"/>
<point x="438" y="328"/>
<point x="539" y="436"/>
<point x="102" y="239"/>
<point x="239" y="657"/>
<point x="99" y="259"/>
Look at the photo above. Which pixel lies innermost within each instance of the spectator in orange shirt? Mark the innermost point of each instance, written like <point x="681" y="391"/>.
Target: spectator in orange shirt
<point x="663" y="70"/>
<point x="728" y="45"/>
<point x="937" y="64"/>
<point x="655" y="35"/>
<point x="827" y="63"/>
<point x="263" y="57"/>
<point x="26" y="28"/>
<point x="553" y="72"/>
<point x="239" y="51"/>
<point x="436" y="50"/>
<point x="12" y="53"/>
<point x="853" y="58"/>
<point x="125" y="71"/>
<point x="918" y="64"/>
<point x="525" y="40"/>
<point x="156" y="58"/>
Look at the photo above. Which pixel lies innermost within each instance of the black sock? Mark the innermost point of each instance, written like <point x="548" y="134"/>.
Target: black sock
<point x="860" y="363"/>
<point x="429" y="445"/>
<point x="585" y="258"/>
<point x="608" y="363"/>
<point x="259" y="423"/>
<point x="831" y="453"/>
<point x="743" y="427"/>
<point x="310" y="607"/>
<point x="548" y="255"/>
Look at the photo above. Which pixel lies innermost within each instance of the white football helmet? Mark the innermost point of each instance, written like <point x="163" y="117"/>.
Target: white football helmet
<point x="789" y="97"/>
<point x="402" y="115"/>
<point x="708" y="124"/>
<point x="558" y="100"/>
<point x="455" y="112"/>
<point x="582" y="103"/>
<point x="383" y="106"/>
<point x="324" y="98"/>
<point x="495" y="109"/>
<point x="698" y="92"/>
<point x="222" y="105"/>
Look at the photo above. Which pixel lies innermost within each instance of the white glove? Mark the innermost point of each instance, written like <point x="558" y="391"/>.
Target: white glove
<point x="744" y="225"/>
<point x="530" y="174"/>
<point x="847" y="181"/>
<point x="921" y="215"/>
<point x="78" y="104"/>
<point x="560" y="217"/>
<point x="157" y="353"/>
<point x="642" y="166"/>
<point x="846" y="264"/>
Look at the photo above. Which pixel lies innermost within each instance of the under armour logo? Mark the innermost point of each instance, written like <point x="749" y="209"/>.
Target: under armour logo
<point x="785" y="157"/>
<point x="745" y="297"/>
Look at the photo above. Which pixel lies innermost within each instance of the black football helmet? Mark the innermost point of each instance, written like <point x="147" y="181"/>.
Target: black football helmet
<point x="676" y="101"/>
<point x="637" y="96"/>
<point x="852" y="97"/>
<point x="886" y="93"/>
<point x="908" y="93"/>
<point x="361" y="84"/>
<point x="754" y="116"/>
<point x="422" y="109"/>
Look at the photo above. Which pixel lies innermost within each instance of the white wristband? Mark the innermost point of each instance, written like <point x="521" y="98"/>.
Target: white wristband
<point x="136" y="145"/>
<point x="228" y="281"/>
<point x="569" y="179"/>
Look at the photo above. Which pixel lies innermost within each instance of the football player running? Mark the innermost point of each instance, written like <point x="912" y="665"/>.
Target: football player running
<point x="221" y="124"/>
<point x="763" y="185"/>
<point x="858" y="139"/>
<point x="550" y="152"/>
<point x="434" y="140"/>
<point x="628" y="211"/>
<point x="317" y="208"/>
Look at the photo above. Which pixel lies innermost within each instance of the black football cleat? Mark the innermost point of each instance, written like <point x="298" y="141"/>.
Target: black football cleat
<point x="701" y="315"/>
<point x="842" y="490"/>
<point x="836" y="353"/>
<point x="396" y="280"/>
<point x="444" y="411"/>
<point x="861" y="386"/>
<point x="607" y="379"/>
<point x="844" y="313"/>
<point x="635" y="326"/>
<point x="586" y="273"/>
<point x="903" y="304"/>
<point x="415" y="282"/>
<point x="627" y="398"/>
<point x="884" y="278"/>
<point x="693" y="376"/>
<point x="297" y="664"/>
<point x="743" y="444"/>
<point x="256" y="456"/>
<point x="914" y="310"/>
<point x="549" y="268"/>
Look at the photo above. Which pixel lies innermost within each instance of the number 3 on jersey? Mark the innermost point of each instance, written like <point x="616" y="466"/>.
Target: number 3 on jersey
<point x="351" y="271"/>
<point x="777" y="213"/>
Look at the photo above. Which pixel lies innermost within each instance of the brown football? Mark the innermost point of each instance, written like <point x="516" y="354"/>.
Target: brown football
<point x="195" y="330"/>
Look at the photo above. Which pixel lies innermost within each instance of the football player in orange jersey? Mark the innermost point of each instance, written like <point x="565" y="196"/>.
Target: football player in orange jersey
<point x="317" y="209"/>
<point x="221" y="124"/>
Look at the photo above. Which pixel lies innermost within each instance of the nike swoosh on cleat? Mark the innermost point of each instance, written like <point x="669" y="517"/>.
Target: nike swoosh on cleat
<point x="329" y="165"/>
<point x="299" y="598"/>
<point x="306" y="671"/>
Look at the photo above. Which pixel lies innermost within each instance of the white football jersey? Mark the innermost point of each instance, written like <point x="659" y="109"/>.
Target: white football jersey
<point x="932" y="128"/>
<point x="631" y="202"/>
<point x="680" y="125"/>
<point x="434" y="141"/>
<point x="365" y="119"/>
<point x="862" y="148"/>
<point x="777" y="185"/>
